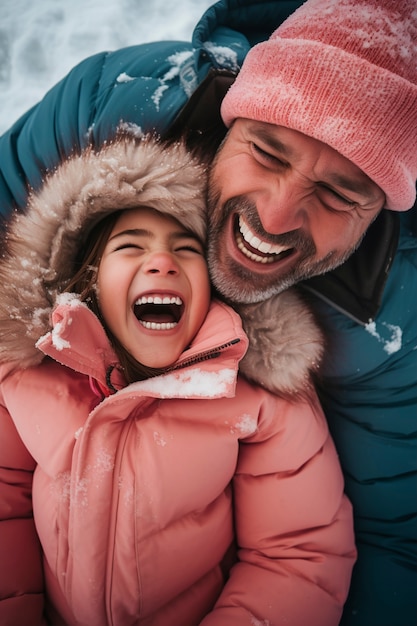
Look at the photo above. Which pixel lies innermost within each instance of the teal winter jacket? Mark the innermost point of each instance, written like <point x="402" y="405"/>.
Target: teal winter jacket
<point x="369" y="305"/>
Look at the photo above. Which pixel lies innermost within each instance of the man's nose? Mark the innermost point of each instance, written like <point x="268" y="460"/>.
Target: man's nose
<point x="282" y="207"/>
<point x="163" y="263"/>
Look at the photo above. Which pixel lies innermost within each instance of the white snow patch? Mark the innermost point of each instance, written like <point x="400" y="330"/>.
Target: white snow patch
<point x="89" y="133"/>
<point x="188" y="384"/>
<point x="78" y="432"/>
<point x="179" y="67"/>
<point x="38" y="316"/>
<point x="132" y="129"/>
<point x="159" y="440"/>
<point x="104" y="462"/>
<point x="81" y="492"/>
<point x="257" y="622"/>
<point x="391" y="345"/>
<point x="60" y="488"/>
<point x="41" y="339"/>
<point x="73" y="301"/>
<point x="57" y="341"/>
<point x="226" y="57"/>
<point x="183" y="65"/>
<point x="124" y="78"/>
<point x="178" y="59"/>
<point x="223" y="55"/>
<point x="126" y="488"/>
<point x="70" y="299"/>
<point x="156" y="97"/>
<point x="173" y="72"/>
<point x="247" y="425"/>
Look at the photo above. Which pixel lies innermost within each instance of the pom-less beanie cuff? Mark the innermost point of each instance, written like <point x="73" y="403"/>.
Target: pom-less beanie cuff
<point x="361" y="109"/>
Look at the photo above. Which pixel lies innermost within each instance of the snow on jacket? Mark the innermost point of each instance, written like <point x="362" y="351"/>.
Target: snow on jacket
<point x="368" y="382"/>
<point x="132" y="491"/>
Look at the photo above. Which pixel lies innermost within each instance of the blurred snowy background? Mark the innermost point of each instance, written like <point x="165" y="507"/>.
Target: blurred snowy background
<point x="41" y="40"/>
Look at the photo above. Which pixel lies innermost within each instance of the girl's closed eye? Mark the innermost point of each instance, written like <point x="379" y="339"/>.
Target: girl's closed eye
<point x="127" y="245"/>
<point x="194" y="248"/>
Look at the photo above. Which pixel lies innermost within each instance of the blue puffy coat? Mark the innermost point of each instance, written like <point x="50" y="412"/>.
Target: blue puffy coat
<point x="369" y="305"/>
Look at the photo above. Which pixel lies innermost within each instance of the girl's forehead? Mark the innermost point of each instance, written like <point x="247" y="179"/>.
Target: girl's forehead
<point x="144" y="214"/>
<point x="148" y="221"/>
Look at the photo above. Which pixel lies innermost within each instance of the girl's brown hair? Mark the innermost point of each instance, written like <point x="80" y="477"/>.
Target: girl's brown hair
<point x="84" y="283"/>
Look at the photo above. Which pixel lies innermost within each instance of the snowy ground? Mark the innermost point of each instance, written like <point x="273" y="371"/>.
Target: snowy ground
<point x="41" y="40"/>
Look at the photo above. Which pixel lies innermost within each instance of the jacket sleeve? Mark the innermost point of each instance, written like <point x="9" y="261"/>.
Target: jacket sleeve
<point x="370" y="399"/>
<point x="21" y="577"/>
<point x="142" y="87"/>
<point x="293" y="523"/>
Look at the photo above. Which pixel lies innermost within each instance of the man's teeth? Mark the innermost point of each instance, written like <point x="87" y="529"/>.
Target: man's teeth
<point x="159" y="300"/>
<point x="263" y="246"/>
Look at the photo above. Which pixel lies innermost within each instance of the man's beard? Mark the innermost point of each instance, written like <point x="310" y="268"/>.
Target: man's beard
<point x="238" y="284"/>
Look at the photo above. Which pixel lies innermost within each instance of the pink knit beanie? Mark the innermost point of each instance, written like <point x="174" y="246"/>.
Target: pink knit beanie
<point x="343" y="72"/>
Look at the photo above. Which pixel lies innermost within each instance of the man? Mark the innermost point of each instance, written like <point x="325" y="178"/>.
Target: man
<point x="317" y="172"/>
<point x="307" y="170"/>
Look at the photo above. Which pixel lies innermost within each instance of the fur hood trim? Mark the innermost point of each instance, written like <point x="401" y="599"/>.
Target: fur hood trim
<point x="286" y="344"/>
<point x="42" y="244"/>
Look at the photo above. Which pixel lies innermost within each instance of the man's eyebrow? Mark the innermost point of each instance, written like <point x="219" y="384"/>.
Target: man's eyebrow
<point x="359" y="185"/>
<point x="273" y="142"/>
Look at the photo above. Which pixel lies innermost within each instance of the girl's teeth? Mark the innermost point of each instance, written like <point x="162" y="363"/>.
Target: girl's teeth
<point x="157" y="326"/>
<point x="159" y="300"/>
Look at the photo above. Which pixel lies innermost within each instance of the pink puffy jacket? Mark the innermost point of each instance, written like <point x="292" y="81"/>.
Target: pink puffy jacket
<point x="139" y="496"/>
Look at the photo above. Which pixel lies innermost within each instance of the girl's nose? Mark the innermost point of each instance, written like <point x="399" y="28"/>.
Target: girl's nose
<point x="162" y="263"/>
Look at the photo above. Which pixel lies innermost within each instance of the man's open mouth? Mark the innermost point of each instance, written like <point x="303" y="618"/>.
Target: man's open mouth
<point x="256" y="249"/>
<point x="157" y="312"/>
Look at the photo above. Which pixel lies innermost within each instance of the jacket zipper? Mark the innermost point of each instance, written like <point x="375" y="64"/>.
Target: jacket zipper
<point x="198" y="358"/>
<point x="204" y="356"/>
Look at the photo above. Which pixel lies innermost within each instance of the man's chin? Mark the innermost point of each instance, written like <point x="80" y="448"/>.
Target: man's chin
<point x="240" y="289"/>
<point x="240" y="286"/>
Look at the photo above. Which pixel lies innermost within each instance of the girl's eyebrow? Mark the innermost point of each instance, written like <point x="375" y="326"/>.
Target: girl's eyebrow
<point x="137" y="232"/>
<point x="142" y="232"/>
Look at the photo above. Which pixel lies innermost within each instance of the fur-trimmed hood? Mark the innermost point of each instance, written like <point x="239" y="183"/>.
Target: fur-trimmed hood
<point x="42" y="244"/>
<point x="285" y="344"/>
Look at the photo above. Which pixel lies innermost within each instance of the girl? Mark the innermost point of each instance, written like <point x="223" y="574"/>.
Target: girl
<point x="143" y="481"/>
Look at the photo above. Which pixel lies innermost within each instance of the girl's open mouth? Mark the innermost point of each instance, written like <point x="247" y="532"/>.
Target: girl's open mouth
<point x="157" y="312"/>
